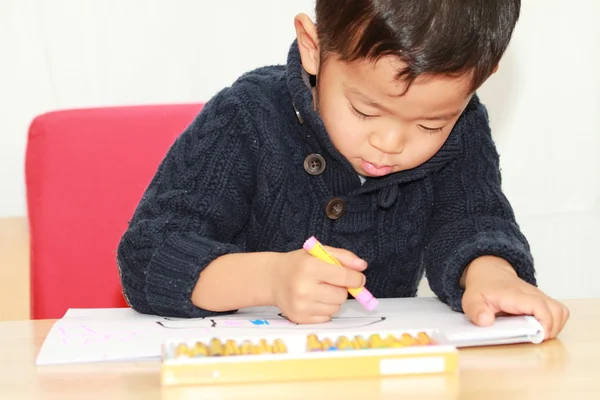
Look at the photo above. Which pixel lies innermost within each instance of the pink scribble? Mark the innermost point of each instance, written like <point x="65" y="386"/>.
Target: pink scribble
<point x="234" y="323"/>
<point x="88" y="336"/>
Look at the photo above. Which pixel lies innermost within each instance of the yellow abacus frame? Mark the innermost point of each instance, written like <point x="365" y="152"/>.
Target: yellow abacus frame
<point x="437" y="358"/>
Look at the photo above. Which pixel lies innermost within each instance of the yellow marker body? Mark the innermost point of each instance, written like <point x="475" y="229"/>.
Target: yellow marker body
<point x="362" y="295"/>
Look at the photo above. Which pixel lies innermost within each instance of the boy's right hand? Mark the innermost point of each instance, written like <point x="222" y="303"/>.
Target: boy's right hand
<point x="309" y="291"/>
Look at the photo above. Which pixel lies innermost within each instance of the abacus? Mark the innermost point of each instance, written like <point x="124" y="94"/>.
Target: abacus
<point x="313" y="356"/>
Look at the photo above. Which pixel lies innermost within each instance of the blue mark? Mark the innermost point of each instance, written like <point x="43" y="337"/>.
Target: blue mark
<point x="259" y="322"/>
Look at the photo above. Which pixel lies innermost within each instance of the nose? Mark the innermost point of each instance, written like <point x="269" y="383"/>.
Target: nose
<point x="390" y="141"/>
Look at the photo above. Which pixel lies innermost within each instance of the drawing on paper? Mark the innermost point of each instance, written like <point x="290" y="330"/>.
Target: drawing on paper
<point x="86" y="336"/>
<point x="268" y="322"/>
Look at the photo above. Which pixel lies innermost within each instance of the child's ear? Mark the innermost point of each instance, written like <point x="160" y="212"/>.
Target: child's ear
<point x="308" y="43"/>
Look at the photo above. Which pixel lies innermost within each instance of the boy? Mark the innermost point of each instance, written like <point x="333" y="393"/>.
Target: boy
<point x="370" y="138"/>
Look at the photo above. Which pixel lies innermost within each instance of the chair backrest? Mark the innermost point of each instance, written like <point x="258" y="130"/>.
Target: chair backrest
<point x="85" y="172"/>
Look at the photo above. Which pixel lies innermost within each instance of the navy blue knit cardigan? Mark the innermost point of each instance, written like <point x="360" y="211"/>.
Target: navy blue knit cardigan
<point x="246" y="176"/>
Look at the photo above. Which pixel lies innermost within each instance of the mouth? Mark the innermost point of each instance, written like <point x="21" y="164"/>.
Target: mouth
<point x="375" y="170"/>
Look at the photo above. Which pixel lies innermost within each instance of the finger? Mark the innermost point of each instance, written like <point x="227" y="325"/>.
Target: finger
<point x="557" y="316"/>
<point x="309" y="319"/>
<point x="566" y="315"/>
<point x="478" y="310"/>
<point x="560" y="314"/>
<point x="340" y="276"/>
<point x="330" y="294"/>
<point x="318" y="319"/>
<point x="315" y="313"/>
<point x="312" y="312"/>
<point x="528" y="304"/>
<point x="347" y="258"/>
<point x="324" y="310"/>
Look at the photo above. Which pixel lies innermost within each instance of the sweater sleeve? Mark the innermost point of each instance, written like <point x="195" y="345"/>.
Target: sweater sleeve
<point x="472" y="217"/>
<point x="191" y="213"/>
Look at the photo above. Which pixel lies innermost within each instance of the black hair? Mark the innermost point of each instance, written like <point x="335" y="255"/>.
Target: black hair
<point x="433" y="37"/>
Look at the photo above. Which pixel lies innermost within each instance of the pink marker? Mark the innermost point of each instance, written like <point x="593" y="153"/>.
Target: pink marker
<point x="362" y="295"/>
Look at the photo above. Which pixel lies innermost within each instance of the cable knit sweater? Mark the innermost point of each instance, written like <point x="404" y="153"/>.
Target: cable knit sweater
<point x="256" y="171"/>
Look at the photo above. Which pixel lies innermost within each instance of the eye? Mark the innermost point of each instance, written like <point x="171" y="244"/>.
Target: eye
<point x="431" y="130"/>
<point x="360" y="114"/>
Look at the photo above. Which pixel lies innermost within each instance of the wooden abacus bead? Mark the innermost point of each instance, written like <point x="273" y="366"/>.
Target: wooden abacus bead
<point x="279" y="346"/>
<point x="408" y="340"/>
<point x="231" y="348"/>
<point x="327" y="344"/>
<point x="182" y="350"/>
<point x="246" y="347"/>
<point x="313" y="343"/>
<point x="199" y="350"/>
<point x="390" y="341"/>
<point x="423" y="338"/>
<point x="262" y="347"/>
<point x="375" y="341"/>
<point x="359" y="343"/>
<point x="343" y="343"/>
<point x="216" y="348"/>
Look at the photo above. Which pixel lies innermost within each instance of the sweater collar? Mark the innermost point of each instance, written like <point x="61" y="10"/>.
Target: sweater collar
<point x="298" y="83"/>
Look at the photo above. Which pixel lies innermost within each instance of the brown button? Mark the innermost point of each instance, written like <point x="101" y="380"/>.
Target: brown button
<point x="314" y="164"/>
<point x="335" y="208"/>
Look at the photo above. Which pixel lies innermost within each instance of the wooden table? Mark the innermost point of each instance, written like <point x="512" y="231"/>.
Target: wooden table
<point x="567" y="368"/>
<point x="14" y="269"/>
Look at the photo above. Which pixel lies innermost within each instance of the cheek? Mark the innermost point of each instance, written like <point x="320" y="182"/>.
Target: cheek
<point x="425" y="146"/>
<point x="342" y="126"/>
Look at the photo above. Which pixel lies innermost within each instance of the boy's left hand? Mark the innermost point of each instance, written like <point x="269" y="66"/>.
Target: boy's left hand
<point x="493" y="287"/>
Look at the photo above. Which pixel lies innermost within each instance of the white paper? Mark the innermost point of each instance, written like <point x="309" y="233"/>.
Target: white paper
<point x="97" y="335"/>
<point x="106" y="313"/>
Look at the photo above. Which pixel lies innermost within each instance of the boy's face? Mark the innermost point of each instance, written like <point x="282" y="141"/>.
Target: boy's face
<point x="378" y="127"/>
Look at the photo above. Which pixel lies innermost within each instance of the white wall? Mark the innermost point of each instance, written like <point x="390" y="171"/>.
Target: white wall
<point x="79" y="53"/>
<point x="544" y="105"/>
<point x="544" y="101"/>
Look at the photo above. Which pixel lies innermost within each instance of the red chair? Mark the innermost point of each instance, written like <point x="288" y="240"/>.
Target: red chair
<point x="85" y="172"/>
